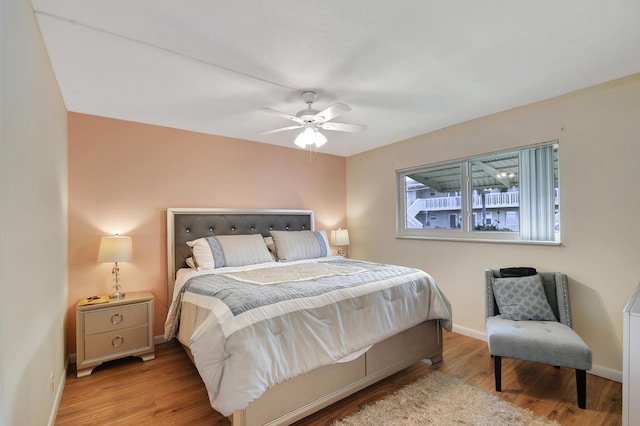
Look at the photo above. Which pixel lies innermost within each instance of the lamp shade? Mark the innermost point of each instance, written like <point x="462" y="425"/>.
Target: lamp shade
<point x="319" y="138"/>
<point x="305" y="137"/>
<point x="115" y="249"/>
<point x="340" y="237"/>
<point x="310" y="136"/>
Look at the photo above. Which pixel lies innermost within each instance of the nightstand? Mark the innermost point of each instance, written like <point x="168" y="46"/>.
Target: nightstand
<point x="112" y="330"/>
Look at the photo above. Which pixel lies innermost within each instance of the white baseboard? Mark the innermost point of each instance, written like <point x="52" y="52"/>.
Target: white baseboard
<point x="58" y="397"/>
<point x="607" y="373"/>
<point x="469" y="332"/>
<point x="596" y="370"/>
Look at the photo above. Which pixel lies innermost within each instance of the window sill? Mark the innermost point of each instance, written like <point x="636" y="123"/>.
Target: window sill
<point x="479" y="239"/>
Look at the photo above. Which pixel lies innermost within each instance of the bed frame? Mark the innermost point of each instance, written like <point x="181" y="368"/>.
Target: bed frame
<point x="303" y="395"/>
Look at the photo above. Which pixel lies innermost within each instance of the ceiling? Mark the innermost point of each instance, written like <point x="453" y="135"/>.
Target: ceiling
<point x="405" y="67"/>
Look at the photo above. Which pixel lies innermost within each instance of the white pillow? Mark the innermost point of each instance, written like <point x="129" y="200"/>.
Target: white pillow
<point x="297" y="245"/>
<point x="271" y="246"/>
<point x="202" y="253"/>
<point x="229" y="250"/>
<point x="190" y="263"/>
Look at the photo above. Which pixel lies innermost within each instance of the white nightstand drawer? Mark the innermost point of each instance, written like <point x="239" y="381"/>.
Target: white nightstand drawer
<point x="116" y="341"/>
<point x="125" y="316"/>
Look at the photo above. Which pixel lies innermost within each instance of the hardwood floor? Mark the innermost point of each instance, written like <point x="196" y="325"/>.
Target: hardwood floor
<point x="169" y="391"/>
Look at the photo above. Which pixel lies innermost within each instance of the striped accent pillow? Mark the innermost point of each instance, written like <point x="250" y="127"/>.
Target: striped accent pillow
<point x="297" y="245"/>
<point x="240" y="250"/>
<point x="229" y="250"/>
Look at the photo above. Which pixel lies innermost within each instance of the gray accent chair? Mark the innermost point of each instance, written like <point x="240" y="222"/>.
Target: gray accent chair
<point x="547" y="342"/>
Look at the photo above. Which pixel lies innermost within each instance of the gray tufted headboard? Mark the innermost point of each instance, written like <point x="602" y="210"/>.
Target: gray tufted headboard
<point x="186" y="224"/>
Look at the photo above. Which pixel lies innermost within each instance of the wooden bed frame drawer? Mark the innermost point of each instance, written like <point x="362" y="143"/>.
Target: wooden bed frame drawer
<point x="421" y="340"/>
<point x="296" y="398"/>
<point x="304" y="390"/>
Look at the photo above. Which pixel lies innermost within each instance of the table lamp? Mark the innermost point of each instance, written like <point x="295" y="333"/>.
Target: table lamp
<point x="340" y="238"/>
<point x="115" y="249"/>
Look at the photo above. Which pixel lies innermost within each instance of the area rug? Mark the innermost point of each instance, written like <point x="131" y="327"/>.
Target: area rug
<point x="438" y="399"/>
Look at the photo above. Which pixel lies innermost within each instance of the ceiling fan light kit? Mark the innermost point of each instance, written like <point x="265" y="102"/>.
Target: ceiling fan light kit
<point x="311" y="121"/>
<point x="310" y="136"/>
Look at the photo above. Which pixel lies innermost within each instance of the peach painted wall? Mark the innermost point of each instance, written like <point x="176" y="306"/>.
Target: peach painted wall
<point x="124" y="175"/>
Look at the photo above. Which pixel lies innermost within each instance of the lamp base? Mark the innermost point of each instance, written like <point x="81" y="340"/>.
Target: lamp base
<point x="116" y="296"/>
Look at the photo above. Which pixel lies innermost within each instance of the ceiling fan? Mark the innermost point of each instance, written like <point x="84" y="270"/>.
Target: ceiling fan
<point x="311" y="121"/>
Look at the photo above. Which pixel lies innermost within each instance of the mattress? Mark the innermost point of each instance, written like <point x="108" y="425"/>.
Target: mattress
<point x="252" y="327"/>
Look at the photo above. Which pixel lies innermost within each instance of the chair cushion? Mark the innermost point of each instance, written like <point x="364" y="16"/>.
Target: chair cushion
<point x="548" y="342"/>
<point x="522" y="298"/>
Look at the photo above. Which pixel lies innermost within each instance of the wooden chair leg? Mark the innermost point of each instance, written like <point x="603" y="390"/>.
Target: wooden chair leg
<point x="497" y="370"/>
<point x="581" y="385"/>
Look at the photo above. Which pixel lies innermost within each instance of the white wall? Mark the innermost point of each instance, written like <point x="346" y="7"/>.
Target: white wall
<point x="598" y="131"/>
<point x="33" y="223"/>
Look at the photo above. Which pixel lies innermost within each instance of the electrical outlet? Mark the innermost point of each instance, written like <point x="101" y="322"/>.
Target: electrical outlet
<point x="51" y="384"/>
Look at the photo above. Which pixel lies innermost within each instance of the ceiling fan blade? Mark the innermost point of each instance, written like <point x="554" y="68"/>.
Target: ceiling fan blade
<point x="283" y="115"/>
<point x="282" y="129"/>
<point x="332" y="111"/>
<point x="343" y="127"/>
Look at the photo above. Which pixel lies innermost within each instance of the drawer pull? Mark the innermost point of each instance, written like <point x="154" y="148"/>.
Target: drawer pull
<point x="116" y="319"/>
<point x="117" y="341"/>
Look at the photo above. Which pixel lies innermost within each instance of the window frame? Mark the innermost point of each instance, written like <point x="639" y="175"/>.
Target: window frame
<point x="465" y="232"/>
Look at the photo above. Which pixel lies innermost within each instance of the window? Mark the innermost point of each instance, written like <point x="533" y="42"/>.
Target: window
<point x="510" y="196"/>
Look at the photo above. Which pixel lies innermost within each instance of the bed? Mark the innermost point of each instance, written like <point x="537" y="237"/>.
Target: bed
<point x="277" y="326"/>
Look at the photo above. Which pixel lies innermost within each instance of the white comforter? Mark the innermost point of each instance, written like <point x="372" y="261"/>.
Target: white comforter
<point x="241" y="351"/>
